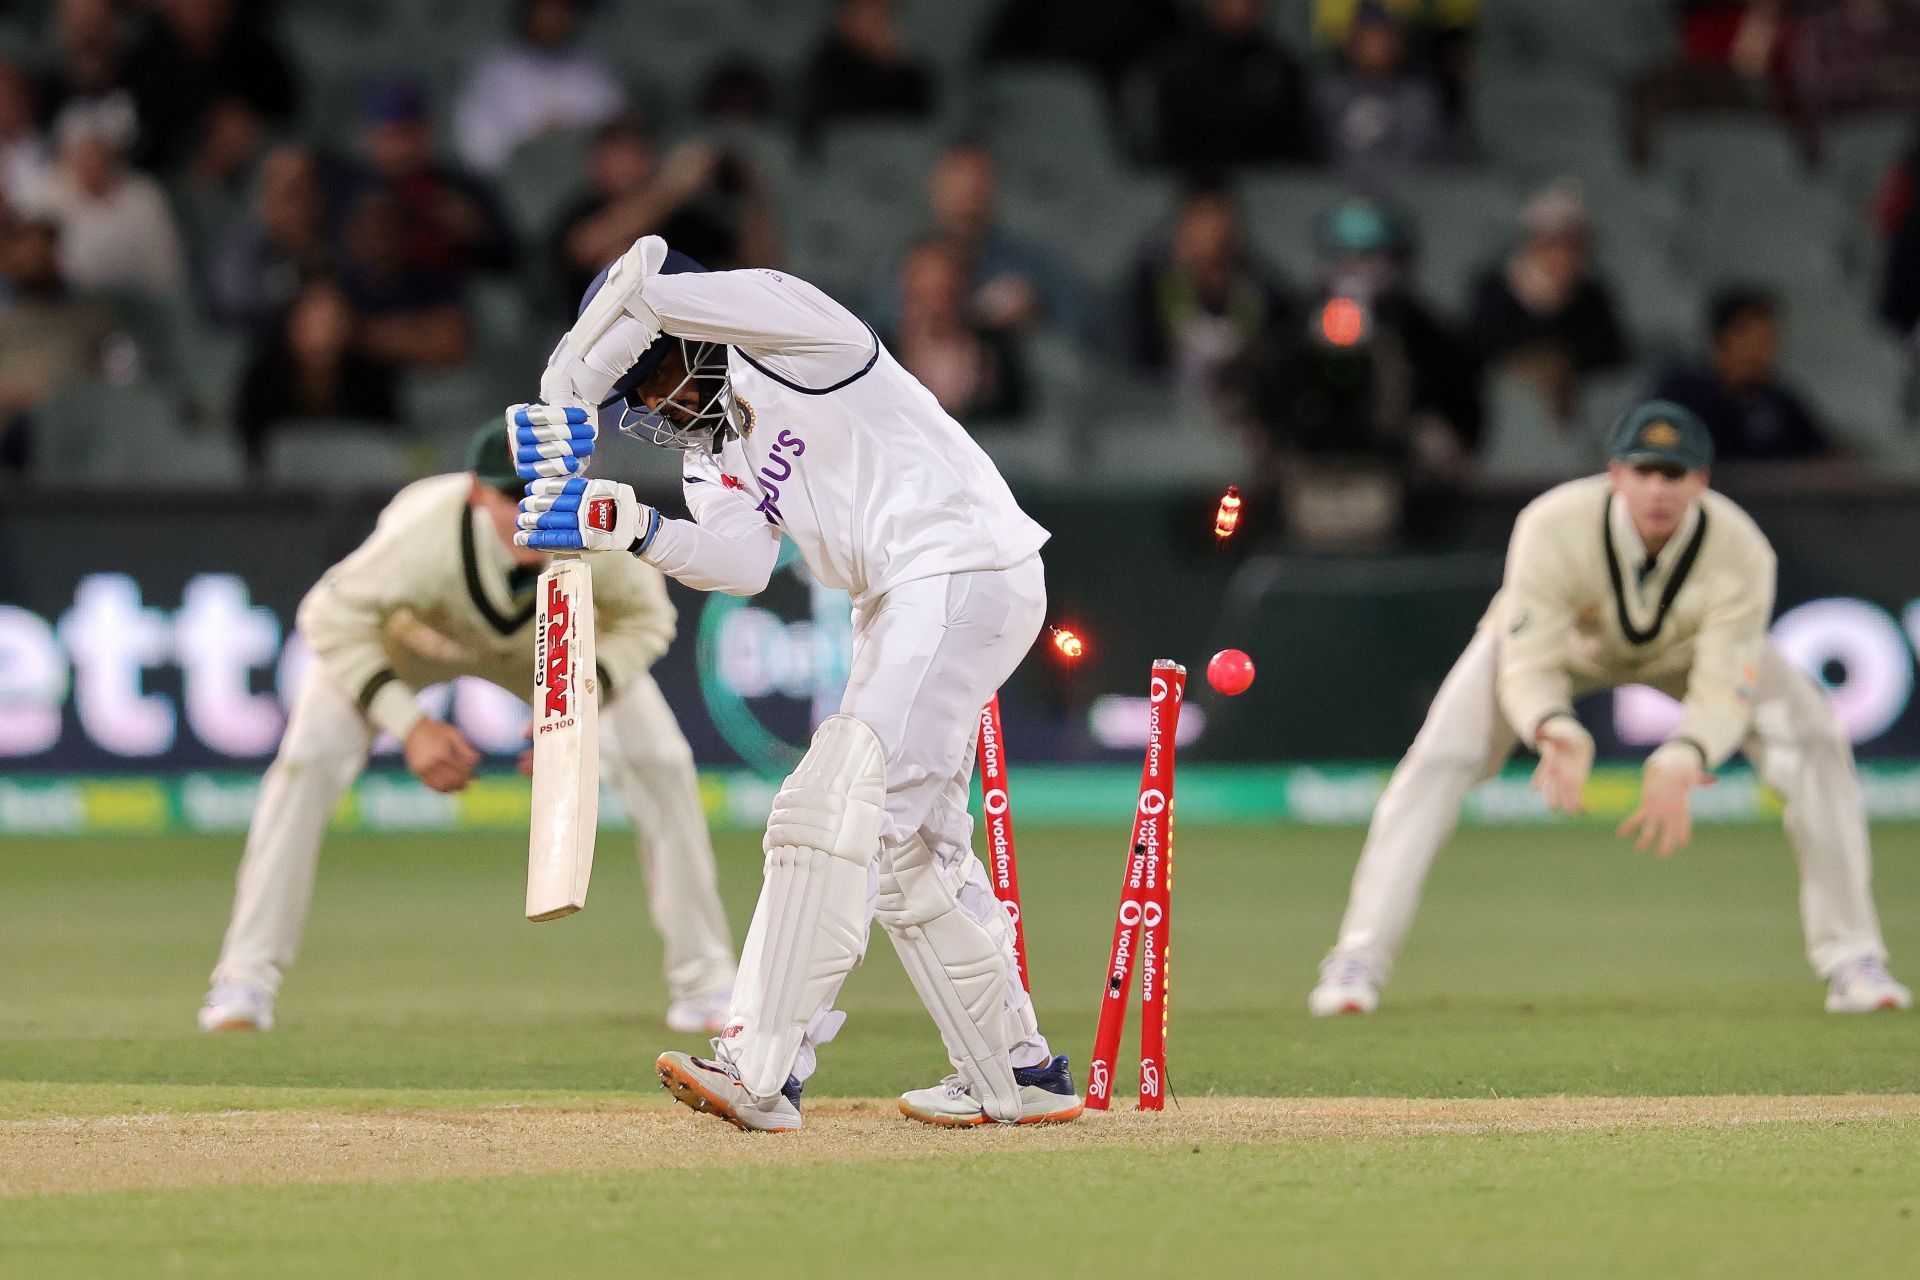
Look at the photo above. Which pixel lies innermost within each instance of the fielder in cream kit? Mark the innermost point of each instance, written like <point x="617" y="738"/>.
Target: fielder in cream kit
<point x="796" y="422"/>
<point x="439" y="590"/>
<point x="1639" y="576"/>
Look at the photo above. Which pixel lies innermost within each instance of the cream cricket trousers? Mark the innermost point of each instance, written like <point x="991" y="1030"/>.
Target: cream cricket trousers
<point x="926" y="657"/>
<point x="645" y="758"/>
<point x="1796" y="744"/>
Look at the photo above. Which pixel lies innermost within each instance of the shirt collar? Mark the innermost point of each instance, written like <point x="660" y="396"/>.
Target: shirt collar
<point x="1632" y="552"/>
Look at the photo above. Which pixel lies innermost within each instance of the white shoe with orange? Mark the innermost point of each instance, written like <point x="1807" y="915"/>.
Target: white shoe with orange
<point x="234" y="1006"/>
<point x="1863" y="985"/>
<point x="1346" y="986"/>
<point x="1046" y="1097"/>
<point x="701" y="1015"/>
<point x="712" y="1087"/>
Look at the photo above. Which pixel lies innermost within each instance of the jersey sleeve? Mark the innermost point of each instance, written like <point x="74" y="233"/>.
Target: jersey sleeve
<point x="1535" y="628"/>
<point x="774" y="317"/>
<point x="343" y="616"/>
<point x="728" y="546"/>
<point x="1718" y="706"/>
<point x="635" y="619"/>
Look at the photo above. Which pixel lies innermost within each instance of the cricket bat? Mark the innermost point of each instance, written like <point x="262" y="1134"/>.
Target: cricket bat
<point x="566" y="742"/>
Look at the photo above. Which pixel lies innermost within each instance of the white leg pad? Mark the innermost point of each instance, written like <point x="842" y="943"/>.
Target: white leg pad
<point x="810" y="926"/>
<point x="959" y="967"/>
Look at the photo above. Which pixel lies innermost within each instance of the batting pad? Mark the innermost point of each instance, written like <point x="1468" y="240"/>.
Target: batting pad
<point x="810" y="925"/>
<point x="959" y="966"/>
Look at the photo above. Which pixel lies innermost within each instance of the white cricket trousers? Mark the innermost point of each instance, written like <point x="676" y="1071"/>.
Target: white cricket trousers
<point x="325" y="747"/>
<point x="1796" y="743"/>
<point x="926" y="657"/>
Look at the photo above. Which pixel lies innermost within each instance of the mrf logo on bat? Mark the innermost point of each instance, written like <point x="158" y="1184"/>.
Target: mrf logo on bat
<point x="555" y="660"/>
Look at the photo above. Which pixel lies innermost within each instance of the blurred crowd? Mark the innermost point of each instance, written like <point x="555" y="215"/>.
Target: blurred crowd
<point x="155" y="149"/>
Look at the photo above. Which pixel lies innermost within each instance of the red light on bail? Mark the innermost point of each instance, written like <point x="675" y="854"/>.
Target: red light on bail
<point x="1067" y="645"/>
<point x="1343" y="322"/>
<point x="1227" y="519"/>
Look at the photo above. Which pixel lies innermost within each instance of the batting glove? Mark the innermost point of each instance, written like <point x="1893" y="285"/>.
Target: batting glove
<point x="574" y="514"/>
<point x="550" y="440"/>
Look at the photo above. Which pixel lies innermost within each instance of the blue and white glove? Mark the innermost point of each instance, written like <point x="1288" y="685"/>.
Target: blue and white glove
<point x="575" y="514"/>
<point x="550" y="440"/>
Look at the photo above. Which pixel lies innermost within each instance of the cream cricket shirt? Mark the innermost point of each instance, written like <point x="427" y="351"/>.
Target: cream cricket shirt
<point x="431" y="595"/>
<point x="1583" y="606"/>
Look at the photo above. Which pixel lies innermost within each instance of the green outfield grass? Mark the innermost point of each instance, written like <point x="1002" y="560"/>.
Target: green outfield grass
<point x="1545" y="963"/>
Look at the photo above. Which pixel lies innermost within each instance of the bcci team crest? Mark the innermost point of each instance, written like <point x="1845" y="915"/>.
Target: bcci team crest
<point x="743" y="418"/>
<point x="1660" y="434"/>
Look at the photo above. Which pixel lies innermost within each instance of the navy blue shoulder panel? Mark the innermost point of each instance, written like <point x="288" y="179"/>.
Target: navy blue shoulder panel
<point x="849" y="380"/>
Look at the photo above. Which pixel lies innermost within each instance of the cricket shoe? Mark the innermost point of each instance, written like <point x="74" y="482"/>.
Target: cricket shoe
<point x="1346" y="986"/>
<point x="234" y="1006"/>
<point x="701" y="1015"/>
<point x="1046" y="1097"/>
<point x="1863" y="985"/>
<point x="712" y="1087"/>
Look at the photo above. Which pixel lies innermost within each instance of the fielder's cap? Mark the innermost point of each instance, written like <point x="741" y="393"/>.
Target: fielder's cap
<point x="489" y="458"/>
<point x="1662" y="433"/>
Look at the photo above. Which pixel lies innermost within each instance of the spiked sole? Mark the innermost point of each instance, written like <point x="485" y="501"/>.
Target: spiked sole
<point x="690" y="1093"/>
<point x="974" y="1122"/>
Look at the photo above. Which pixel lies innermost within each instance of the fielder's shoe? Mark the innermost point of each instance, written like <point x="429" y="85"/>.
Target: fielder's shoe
<point x="1046" y="1097"/>
<point x="1863" y="985"/>
<point x="234" y="1006"/>
<point x="1346" y="986"/>
<point x="712" y="1086"/>
<point x="701" y="1015"/>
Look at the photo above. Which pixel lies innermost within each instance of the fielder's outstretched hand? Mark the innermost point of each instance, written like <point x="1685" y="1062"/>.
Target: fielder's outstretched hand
<point x="585" y="515"/>
<point x="1566" y="758"/>
<point x="550" y="440"/>
<point x="1664" y="820"/>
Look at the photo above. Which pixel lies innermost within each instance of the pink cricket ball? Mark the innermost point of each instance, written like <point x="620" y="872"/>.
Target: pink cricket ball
<point x="1230" y="672"/>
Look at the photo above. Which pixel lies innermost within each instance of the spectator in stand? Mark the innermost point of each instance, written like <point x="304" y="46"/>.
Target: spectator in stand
<point x="1228" y="94"/>
<point x="260" y="262"/>
<point x="1737" y="392"/>
<point x="1543" y="313"/>
<point x="413" y="233"/>
<point x="23" y="147"/>
<point x="864" y="70"/>
<point x="1440" y="34"/>
<point x="47" y="337"/>
<point x="541" y="81"/>
<point x="1106" y="37"/>
<point x="116" y="231"/>
<point x="709" y="203"/>
<point x="1380" y="119"/>
<point x="737" y="90"/>
<point x="209" y="82"/>
<point x="1363" y="409"/>
<point x="309" y="366"/>
<point x="410" y="315"/>
<point x="1896" y="217"/>
<point x="1734" y="55"/>
<point x="971" y="365"/>
<point x="1197" y="296"/>
<point x="1857" y="55"/>
<point x="1015" y="283"/>
<point x="91" y="61"/>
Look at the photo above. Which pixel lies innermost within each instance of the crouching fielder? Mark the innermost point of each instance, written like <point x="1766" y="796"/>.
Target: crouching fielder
<point x="795" y="421"/>
<point x="439" y="590"/>
<point x="1639" y="576"/>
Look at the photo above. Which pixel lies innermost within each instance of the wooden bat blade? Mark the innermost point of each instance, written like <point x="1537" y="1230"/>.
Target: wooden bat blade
<point x="566" y="743"/>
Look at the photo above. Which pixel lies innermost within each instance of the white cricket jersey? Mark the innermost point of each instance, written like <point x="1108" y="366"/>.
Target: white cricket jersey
<point x="430" y="596"/>
<point x="837" y="447"/>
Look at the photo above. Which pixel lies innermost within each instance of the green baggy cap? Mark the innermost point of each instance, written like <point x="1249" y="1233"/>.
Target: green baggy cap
<point x="491" y="459"/>
<point x="1662" y="433"/>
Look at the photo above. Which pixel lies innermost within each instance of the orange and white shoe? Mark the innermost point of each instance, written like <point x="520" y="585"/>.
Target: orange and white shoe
<point x="234" y="1006"/>
<point x="1863" y="985"/>
<point x="1046" y="1097"/>
<point x="704" y="1014"/>
<point x="712" y="1087"/>
<point x="1346" y="986"/>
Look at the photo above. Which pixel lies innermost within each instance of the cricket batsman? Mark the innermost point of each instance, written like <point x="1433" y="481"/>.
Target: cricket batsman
<point x="1639" y="576"/>
<point x="440" y="590"/>
<point x="796" y="422"/>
